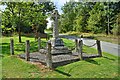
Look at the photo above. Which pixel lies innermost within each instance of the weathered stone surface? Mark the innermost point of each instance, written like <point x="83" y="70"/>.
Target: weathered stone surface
<point x="55" y="17"/>
<point x="56" y="50"/>
<point x="60" y="50"/>
<point x="38" y="57"/>
<point x="57" y="59"/>
<point x="57" y="42"/>
<point x="58" y="47"/>
<point x="43" y="51"/>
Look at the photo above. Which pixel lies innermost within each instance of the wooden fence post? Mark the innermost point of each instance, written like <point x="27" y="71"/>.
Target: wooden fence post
<point x="39" y="43"/>
<point x="76" y="45"/>
<point x="27" y="50"/>
<point x="49" y="56"/>
<point x="99" y="48"/>
<point x="12" y="46"/>
<point x="80" y="49"/>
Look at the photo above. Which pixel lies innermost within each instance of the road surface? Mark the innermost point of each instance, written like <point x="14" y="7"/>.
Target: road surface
<point x="105" y="46"/>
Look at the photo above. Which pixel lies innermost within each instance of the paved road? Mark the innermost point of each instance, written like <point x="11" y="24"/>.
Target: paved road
<point x="105" y="46"/>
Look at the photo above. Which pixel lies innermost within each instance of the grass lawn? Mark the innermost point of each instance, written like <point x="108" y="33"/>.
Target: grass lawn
<point x="13" y="67"/>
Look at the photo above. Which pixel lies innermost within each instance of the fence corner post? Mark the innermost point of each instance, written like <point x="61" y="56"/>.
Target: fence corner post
<point x="11" y="46"/>
<point x="99" y="48"/>
<point x="49" y="56"/>
<point x="80" y="53"/>
<point x="27" y="50"/>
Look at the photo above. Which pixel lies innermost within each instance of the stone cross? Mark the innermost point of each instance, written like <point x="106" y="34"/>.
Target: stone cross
<point x="55" y="17"/>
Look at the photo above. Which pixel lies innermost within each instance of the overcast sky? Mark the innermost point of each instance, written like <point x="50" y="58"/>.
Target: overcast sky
<point x="59" y="4"/>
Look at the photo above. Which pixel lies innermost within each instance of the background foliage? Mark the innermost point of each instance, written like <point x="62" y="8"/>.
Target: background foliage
<point x="20" y="16"/>
<point x="95" y="17"/>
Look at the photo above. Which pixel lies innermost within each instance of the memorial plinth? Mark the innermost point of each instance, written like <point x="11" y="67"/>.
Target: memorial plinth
<point x="58" y="47"/>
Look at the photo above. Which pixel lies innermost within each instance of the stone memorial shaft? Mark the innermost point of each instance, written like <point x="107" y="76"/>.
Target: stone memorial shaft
<point x="55" y="17"/>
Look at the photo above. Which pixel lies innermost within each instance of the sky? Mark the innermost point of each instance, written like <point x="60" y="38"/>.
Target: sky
<point x="2" y="7"/>
<point x="59" y="4"/>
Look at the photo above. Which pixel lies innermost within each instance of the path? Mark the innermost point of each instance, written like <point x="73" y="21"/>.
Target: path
<point x="106" y="46"/>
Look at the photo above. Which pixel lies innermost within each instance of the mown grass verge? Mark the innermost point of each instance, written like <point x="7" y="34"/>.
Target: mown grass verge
<point x="13" y="67"/>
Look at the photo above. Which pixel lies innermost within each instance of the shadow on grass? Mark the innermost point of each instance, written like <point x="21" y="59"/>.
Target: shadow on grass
<point x="5" y="49"/>
<point x="92" y="61"/>
<point x="61" y="72"/>
<point x="109" y="58"/>
<point x="22" y="42"/>
<point x="34" y="45"/>
<point x="18" y="47"/>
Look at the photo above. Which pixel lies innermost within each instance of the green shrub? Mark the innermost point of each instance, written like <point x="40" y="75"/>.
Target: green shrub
<point x="116" y="30"/>
<point x="116" y="26"/>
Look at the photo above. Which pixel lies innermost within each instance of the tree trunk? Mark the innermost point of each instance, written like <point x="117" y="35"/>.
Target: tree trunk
<point x="19" y="32"/>
<point x="19" y="24"/>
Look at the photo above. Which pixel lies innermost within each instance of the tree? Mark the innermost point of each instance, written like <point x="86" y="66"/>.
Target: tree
<point x="13" y="15"/>
<point x="114" y="10"/>
<point x="75" y="16"/>
<point x="68" y="17"/>
<point x="38" y="16"/>
<point x="22" y="14"/>
<point x="96" y="17"/>
<point x="82" y="12"/>
<point x="116" y="28"/>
